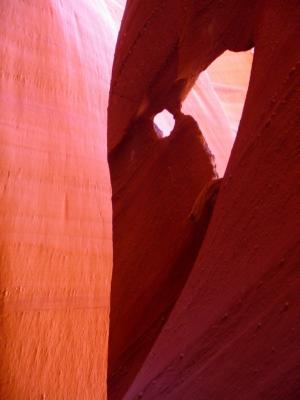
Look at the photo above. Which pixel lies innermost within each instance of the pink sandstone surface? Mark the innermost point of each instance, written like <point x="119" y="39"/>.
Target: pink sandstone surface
<point x="56" y="250"/>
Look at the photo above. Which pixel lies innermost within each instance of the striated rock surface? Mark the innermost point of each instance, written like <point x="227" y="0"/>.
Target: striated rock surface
<point x="233" y="332"/>
<point x="55" y="210"/>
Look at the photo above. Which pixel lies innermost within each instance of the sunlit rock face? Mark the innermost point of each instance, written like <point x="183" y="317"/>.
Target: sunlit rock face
<point x="233" y="331"/>
<point x="55" y="199"/>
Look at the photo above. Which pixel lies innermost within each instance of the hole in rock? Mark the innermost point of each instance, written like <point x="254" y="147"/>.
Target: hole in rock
<point x="165" y="123"/>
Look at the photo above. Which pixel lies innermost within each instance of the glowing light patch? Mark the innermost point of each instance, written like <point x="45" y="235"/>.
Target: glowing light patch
<point x="165" y="122"/>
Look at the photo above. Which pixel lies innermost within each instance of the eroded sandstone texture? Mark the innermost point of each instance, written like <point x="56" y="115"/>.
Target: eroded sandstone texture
<point x="55" y="200"/>
<point x="233" y="332"/>
<point x="156" y="240"/>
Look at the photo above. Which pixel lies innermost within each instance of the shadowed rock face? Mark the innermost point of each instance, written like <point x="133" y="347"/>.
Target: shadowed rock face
<point x="155" y="61"/>
<point x="233" y="332"/>
<point x="156" y="240"/>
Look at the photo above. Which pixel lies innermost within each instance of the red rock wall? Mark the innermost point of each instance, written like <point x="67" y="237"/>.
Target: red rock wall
<point x="55" y="200"/>
<point x="233" y="333"/>
<point x="155" y="239"/>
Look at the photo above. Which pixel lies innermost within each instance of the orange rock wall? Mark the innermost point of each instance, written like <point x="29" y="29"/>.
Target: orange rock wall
<point x="55" y="209"/>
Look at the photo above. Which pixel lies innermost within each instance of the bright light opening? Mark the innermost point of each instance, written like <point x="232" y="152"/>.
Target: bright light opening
<point x="165" y="123"/>
<point x="217" y="100"/>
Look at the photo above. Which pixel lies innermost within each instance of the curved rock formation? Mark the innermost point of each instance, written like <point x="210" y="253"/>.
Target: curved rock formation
<point x="56" y="254"/>
<point x="156" y="240"/>
<point x="233" y="333"/>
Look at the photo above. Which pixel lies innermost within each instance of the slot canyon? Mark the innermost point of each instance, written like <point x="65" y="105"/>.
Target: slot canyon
<point x="150" y="200"/>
